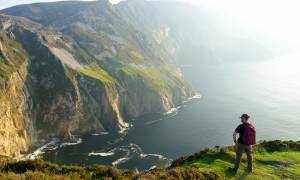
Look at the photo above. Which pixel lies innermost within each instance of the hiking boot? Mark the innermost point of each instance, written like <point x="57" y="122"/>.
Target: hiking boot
<point x="233" y="170"/>
<point x="249" y="170"/>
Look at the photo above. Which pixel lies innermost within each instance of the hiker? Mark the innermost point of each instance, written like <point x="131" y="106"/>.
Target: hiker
<point x="247" y="138"/>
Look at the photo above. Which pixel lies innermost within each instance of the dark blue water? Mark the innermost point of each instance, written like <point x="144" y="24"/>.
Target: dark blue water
<point x="268" y="91"/>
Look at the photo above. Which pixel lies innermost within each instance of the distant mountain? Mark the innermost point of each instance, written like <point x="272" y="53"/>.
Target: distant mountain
<point x="193" y="33"/>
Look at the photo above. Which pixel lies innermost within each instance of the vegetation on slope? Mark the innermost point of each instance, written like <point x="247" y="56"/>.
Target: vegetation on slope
<point x="39" y="169"/>
<point x="272" y="160"/>
<point x="12" y="56"/>
<point x="97" y="74"/>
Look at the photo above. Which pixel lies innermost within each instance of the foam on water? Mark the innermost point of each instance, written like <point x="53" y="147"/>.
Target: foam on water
<point x="154" y="121"/>
<point x="125" y="129"/>
<point x="100" y="134"/>
<point x="78" y="141"/>
<point x="130" y="151"/>
<point x="104" y="154"/>
<point x="120" y="161"/>
<point x="52" y="145"/>
<point x="172" y="110"/>
<point x="196" y="96"/>
<point x="124" y="158"/>
<point x="159" y="156"/>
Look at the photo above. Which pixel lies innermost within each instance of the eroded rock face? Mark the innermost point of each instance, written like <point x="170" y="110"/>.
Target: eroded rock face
<point x="14" y="137"/>
<point x="14" y="122"/>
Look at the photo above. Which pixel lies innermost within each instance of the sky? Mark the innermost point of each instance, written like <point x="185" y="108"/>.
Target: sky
<point x="278" y="19"/>
<point x="9" y="3"/>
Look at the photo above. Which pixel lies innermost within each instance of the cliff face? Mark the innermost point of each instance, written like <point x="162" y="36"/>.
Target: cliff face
<point x="14" y="121"/>
<point x="84" y="70"/>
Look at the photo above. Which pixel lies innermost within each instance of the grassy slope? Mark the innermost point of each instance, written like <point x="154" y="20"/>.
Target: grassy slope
<point x="272" y="160"/>
<point x="268" y="166"/>
<point x="269" y="163"/>
<point x="12" y="57"/>
<point x="97" y="74"/>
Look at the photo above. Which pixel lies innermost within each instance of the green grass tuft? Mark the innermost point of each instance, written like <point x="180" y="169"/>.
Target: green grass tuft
<point x="99" y="74"/>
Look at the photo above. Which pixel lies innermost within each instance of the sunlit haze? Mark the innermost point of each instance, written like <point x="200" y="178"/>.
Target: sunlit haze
<point x="278" y="19"/>
<point x="273" y="20"/>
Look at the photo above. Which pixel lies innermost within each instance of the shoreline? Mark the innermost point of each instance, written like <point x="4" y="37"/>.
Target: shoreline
<point x="56" y="142"/>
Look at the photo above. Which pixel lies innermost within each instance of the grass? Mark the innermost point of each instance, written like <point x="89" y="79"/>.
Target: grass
<point x="11" y="58"/>
<point x="283" y="164"/>
<point x="39" y="169"/>
<point x="97" y="74"/>
<point x="152" y="77"/>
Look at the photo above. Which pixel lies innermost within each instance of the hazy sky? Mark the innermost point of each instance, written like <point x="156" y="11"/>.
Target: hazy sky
<point x="9" y="3"/>
<point x="277" y="18"/>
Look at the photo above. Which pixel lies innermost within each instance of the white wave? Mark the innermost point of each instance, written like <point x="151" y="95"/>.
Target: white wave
<point x="197" y="96"/>
<point x="100" y="134"/>
<point x="52" y="145"/>
<point x="124" y="129"/>
<point x="101" y="154"/>
<point x="159" y="156"/>
<point x="138" y="150"/>
<point x="120" y="161"/>
<point x="130" y="150"/>
<point x="152" y="168"/>
<point x="172" y="110"/>
<point x="126" y="149"/>
<point x="78" y="141"/>
<point x="152" y="122"/>
<point x="174" y="114"/>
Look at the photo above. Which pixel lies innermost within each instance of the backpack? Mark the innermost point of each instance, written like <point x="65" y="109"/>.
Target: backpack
<point x="249" y="136"/>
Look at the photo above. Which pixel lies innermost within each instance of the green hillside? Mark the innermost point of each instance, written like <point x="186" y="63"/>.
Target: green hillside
<point x="272" y="160"/>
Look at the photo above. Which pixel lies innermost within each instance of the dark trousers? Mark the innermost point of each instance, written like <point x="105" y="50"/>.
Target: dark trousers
<point x="240" y="148"/>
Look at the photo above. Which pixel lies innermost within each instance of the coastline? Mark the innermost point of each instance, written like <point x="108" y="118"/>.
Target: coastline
<point x="56" y="142"/>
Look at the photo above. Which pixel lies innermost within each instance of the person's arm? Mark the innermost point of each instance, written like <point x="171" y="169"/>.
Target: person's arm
<point x="234" y="136"/>
<point x="237" y="131"/>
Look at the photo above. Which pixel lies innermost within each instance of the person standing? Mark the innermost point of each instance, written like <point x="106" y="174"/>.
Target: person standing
<point x="247" y="138"/>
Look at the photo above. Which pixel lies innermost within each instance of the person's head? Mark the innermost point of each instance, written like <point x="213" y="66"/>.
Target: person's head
<point x="245" y="118"/>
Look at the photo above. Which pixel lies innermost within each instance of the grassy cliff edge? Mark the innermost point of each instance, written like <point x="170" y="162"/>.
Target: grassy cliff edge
<point x="272" y="160"/>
